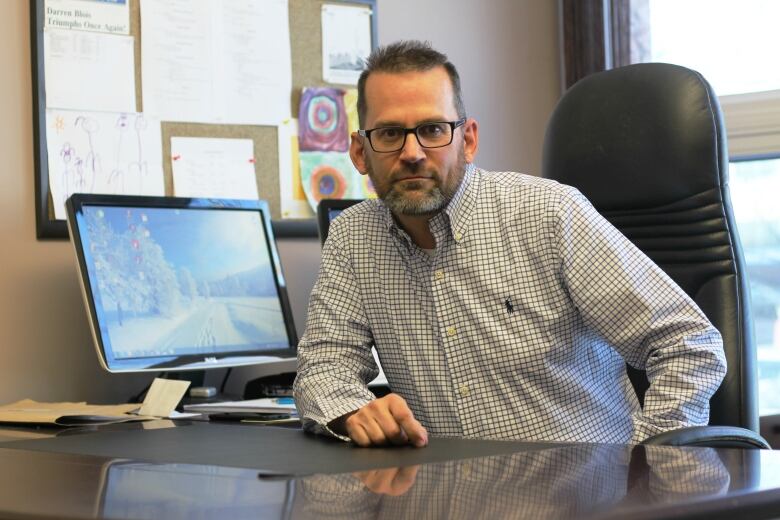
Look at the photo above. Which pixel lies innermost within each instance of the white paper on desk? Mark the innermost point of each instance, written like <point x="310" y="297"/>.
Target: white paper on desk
<point x="346" y="42"/>
<point x="89" y="71"/>
<point x="264" y="405"/>
<point x="211" y="167"/>
<point x="216" y="61"/>
<point x="163" y="396"/>
<point x="102" y="152"/>
<point x="88" y="15"/>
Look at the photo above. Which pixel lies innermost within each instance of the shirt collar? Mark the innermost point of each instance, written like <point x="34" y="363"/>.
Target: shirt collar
<point x="461" y="207"/>
<point x="458" y="210"/>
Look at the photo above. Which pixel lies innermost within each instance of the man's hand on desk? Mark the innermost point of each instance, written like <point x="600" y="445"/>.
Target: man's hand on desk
<point x="387" y="420"/>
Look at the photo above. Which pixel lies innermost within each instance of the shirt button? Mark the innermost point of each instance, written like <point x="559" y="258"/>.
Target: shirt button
<point x="451" y="331"/>
<point x="458" y="236"/>
<point x="464" y="390"/>
<point x="439" y="274"/>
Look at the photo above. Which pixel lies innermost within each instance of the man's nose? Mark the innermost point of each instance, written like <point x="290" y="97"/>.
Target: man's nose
<point x="412" y="151"/>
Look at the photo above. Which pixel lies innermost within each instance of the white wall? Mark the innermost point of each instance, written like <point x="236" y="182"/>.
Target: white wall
<point x="507" y="54"/>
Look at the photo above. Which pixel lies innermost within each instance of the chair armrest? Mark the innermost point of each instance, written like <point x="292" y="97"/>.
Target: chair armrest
<point x="710" y="437"/>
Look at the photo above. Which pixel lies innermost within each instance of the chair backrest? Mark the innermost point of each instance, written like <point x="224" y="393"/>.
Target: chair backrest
<point x="646" y="144"/>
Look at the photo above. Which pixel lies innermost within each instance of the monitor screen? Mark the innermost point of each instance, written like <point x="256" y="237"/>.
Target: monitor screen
<point x="333" y="213"/>
<point x="180" y="284"/>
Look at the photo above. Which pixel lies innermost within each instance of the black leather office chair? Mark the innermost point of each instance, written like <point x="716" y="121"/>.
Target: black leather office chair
<point x="646" y="144"/>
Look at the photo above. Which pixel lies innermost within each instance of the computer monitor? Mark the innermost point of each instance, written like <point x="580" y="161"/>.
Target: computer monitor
<point x="176" y="284"/>
<point x="327" y="210"/>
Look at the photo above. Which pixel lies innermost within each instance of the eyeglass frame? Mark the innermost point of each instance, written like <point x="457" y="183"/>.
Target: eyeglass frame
<point x="413" y="130"/>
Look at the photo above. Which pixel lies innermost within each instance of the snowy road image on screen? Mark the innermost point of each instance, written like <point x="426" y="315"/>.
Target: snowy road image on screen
<point x="207" y="326"/>
<point x="183" y="281"/>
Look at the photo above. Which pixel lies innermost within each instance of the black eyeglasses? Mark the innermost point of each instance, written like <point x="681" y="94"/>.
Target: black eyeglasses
<point x="435" y="134"/>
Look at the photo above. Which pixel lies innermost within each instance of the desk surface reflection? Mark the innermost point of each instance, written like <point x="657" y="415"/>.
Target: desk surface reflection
<point x="546" y="481"/>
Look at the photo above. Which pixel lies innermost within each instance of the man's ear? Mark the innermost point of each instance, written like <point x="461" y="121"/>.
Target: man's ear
<point x="357" y="152"/>
<point x="470" y="139"/>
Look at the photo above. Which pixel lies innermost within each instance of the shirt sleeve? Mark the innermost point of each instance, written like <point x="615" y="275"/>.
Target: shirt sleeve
<point x="647" y="318"/>
<point x="335" y="362"/>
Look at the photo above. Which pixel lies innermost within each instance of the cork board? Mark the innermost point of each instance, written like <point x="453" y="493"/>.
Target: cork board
<point x="306" y="54"/>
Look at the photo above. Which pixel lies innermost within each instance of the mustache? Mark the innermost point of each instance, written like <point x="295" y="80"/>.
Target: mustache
<point x="414" y="171"/>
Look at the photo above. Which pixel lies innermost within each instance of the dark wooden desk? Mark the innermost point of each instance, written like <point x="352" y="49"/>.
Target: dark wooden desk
<point x="201" y="470"/>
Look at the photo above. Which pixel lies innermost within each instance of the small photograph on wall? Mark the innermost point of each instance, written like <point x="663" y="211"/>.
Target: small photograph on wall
<point x="346" y="42"/>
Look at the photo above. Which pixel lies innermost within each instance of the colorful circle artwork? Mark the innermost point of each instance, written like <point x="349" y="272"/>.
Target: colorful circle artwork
<point x="322" y="121"/>
<point x="323" y="115"/>
<point x="327" y="182"/>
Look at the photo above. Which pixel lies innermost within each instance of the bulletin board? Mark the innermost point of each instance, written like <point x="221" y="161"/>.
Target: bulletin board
<point x="305" y="29"/>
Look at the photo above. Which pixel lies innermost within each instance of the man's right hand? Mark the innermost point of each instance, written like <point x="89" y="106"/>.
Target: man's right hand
<point x="383" y="421"/>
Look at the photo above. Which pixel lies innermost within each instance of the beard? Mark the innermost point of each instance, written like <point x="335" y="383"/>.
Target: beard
<point x="416" y="198"/>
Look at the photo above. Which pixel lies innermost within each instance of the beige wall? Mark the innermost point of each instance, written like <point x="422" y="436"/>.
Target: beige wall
<point x="507" y="53"/>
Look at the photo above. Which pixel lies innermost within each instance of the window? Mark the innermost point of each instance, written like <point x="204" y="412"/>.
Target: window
<point x="755" y="185"/>
<point x="734" y="45"/>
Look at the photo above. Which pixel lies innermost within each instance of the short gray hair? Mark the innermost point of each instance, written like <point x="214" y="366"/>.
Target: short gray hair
<point x="407" y="56"/>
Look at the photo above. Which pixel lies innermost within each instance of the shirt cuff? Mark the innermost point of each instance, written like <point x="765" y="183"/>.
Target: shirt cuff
<point x="321" y="427"/>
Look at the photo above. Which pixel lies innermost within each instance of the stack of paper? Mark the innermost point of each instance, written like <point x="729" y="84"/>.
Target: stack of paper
<point x="28" y="411"/>
<point x="264" y="405"/>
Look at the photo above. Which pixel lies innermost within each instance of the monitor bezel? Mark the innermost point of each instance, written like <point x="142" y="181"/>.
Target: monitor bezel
<point x="74" y="207"/>
<point x="324" y="207"/>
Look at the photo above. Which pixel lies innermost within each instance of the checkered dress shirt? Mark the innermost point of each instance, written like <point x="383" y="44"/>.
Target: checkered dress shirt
<point x="518" y="327"/>
<point x="583" y="481"/>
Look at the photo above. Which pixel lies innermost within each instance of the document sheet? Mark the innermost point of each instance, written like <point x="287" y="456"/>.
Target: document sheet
<point x="102" y="152"/>
<point x="216" y="61"/>
<point x="211" y="167"/>
<point x="87" y="70"/>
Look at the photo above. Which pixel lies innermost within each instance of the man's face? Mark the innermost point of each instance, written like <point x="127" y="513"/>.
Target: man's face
<point x="413" y="180"/>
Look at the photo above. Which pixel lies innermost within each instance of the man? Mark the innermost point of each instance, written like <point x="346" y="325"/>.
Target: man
<point x="501" y="305"/>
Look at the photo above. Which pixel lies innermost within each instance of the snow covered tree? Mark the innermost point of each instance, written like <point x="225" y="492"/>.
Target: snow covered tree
<point x="156" y="277"/>
<point x="189" y="286"/>
<point x="117" y="291"/>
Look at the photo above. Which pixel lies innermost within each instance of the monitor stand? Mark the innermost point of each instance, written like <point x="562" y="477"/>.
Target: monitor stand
<point x="198" y="392"/>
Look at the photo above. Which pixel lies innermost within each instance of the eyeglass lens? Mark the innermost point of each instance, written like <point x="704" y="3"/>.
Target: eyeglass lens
<point x="429" y="135"/>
